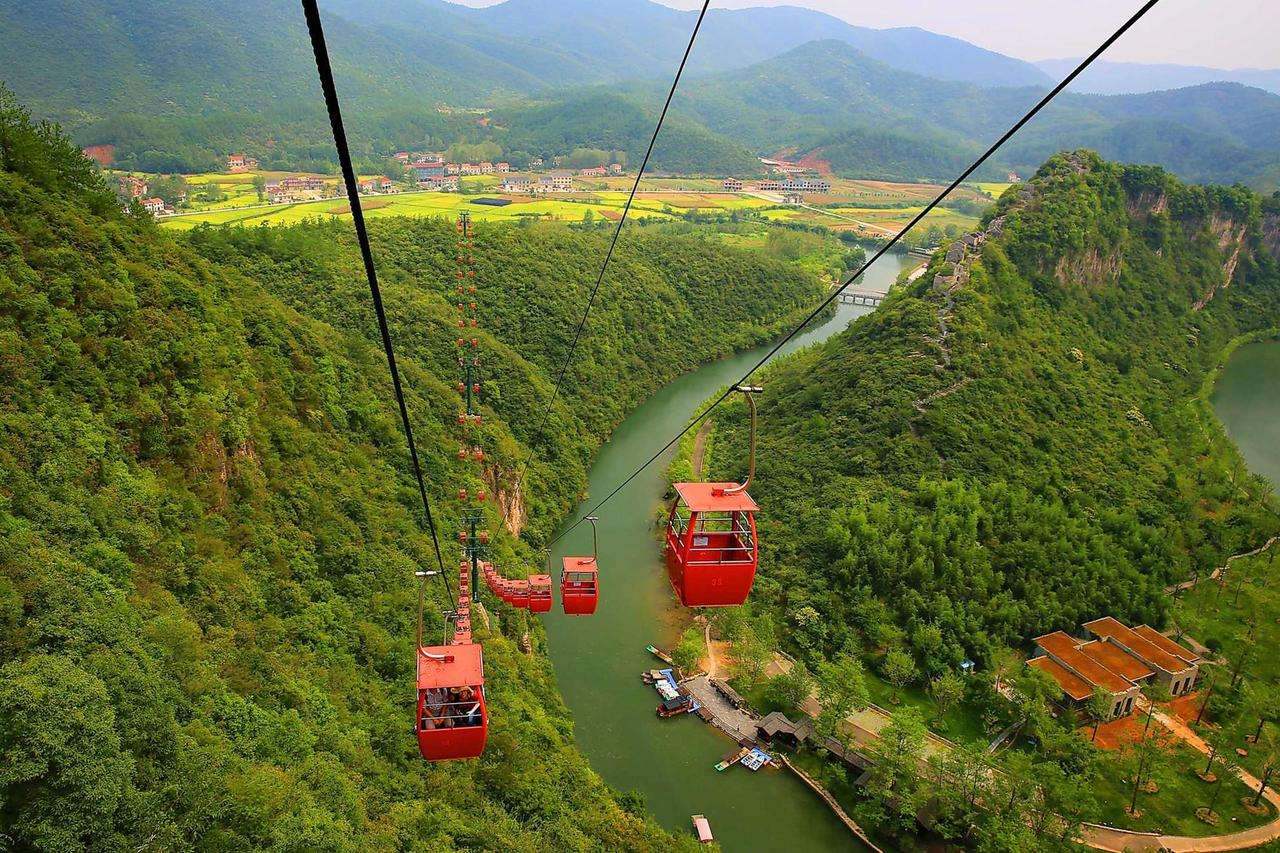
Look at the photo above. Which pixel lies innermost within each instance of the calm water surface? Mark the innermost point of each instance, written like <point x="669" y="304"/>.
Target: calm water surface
<point x="1247" y="400"/>
<point x="599" y="659"/>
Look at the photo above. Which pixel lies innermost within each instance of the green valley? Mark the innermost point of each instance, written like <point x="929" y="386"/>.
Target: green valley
<point x="206" y="566"/>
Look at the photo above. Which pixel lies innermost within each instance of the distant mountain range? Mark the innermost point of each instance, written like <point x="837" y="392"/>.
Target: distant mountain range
<point x="832" y="103"/>
<point x="1123" y="78"/>
<point x="81" y="60"/>
<point x="175" y="84"/>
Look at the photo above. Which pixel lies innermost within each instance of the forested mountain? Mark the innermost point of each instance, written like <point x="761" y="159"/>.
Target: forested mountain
<point x="1017" y="442"/>
<point x="208" y="532"/>
<point x="1123" y="78"/>
<point x="177" y="86"/>
<point x="81" y="61"/>
<point x="834" y="103"/>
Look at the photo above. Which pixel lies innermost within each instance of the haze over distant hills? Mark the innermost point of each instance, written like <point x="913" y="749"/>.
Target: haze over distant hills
<point x="1122" y="78"/>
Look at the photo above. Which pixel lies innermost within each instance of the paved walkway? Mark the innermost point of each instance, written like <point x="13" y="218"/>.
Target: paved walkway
<point x="1217" y="573"/>
<point x="737" y="723"/>
<point x="1118" y="840"/>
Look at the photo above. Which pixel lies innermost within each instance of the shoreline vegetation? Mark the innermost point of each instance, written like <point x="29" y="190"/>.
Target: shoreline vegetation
<point x="803" y="626"/>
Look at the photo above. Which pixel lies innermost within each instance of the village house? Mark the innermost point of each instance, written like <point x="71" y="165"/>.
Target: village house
<point x="306" y="183"/>
<point x="805" y="185"/>
<point x="1119" y="663"/>
<point x="1176" y="668"/>
<point x="557" y="182"/>
<point x="240" y="163"/>
<point x="453" y="168"/>
<point x="402" y="156"/>
<point x="536" y="163"/>
<point x="516" y="184"/>
<point x="131" y="187"/>
<point x="793" y="199"/>
<point x="386" y="185"/>
<point x="594" y="172"/>
<point x="276" y="194"/>
<point x="472" y="169"/>
<point x="732" y="185"/>
<point x="502" y="168"/>
<point x="615" y="168"/>
<point x="155" y="206"/>
<point x="427" y="168"/>
<point x="367" y="186"/>
<point x="440" y="183"/>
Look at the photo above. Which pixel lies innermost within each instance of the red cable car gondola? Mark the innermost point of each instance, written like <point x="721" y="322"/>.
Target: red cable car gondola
<point x="452" y="720"/>
<point x="712" y="549"/>
<point x="519" y="592"/>
<point x="540" y="594"/>
<point x="580" y="579"/>
<point x="579" y="586"/>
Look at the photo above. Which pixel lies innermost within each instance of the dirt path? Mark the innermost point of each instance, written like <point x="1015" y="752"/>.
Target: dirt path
<point x="700" y="449"/>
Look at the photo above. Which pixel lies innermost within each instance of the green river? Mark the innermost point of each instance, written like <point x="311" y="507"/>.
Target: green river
<point x="599" y="659"/>
<point x="1246" y="402"/>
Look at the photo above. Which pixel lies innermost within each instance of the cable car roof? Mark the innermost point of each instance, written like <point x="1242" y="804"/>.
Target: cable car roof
<point x="466" y="669"/>
<point x="579" y="564"/>
<point x="702" y="497"/>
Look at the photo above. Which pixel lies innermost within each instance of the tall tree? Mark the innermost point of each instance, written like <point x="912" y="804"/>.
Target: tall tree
<point x="842" y="689"/>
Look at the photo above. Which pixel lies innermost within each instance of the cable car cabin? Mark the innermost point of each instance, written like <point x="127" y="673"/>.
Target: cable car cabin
<point x="712" y="550"/>
<point x="540" y="593"/>
<point x="519" y="590"/>
<point x="579" y="585"/>
<point x="452" y="721"/>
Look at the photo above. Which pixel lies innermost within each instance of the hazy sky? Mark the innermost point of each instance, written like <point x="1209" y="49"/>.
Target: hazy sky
<point x="1220" y="33"/>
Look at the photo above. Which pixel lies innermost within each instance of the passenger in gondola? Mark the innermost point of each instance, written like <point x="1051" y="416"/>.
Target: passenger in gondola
<point x="469" y="708"/>
<point x="434" y="714"/>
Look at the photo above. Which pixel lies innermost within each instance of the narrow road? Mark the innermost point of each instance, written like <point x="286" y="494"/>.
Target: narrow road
<point x="1118" y="840"/>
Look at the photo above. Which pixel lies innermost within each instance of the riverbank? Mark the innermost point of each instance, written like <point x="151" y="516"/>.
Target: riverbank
<point x="670" y="763"/>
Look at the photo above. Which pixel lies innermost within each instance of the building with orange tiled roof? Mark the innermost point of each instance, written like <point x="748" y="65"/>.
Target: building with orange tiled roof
<point x="1176" y="668"/>
<point x="1118" y="662"/>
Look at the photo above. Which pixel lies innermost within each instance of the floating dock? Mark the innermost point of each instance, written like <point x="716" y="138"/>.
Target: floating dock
<point x="732" y="759"/>
<point x="675" y="701"/>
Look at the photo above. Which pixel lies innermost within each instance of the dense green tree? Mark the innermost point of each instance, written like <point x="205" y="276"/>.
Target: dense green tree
<point x="789" y="690"/>
<point x="842" y="689"/>
<point x="900" y="670"/>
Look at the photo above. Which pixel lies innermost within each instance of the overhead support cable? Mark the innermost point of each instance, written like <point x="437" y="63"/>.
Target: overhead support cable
<point x="325" y="70"/>
<point x="915" y="220"/>
<point x="622" y="221"/>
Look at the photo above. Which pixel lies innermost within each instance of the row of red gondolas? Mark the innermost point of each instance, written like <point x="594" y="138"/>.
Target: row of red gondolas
<point x="711" y="556"/>
<point x="579" y="588"/>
